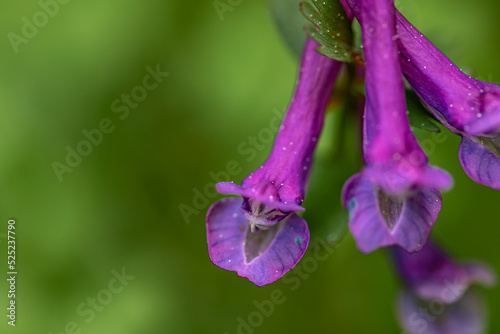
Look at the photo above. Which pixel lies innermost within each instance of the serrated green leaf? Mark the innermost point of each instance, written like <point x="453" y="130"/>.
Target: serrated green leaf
<point x="290" y="23"/>
<point x="419" y="116"/>
<point x="331" y="29"/>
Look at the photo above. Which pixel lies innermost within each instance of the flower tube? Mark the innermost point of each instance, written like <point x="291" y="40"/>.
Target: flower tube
<point x="466" y="106"/>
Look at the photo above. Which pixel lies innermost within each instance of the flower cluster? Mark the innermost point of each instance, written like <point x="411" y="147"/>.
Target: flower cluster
<point x="395" y="199"/>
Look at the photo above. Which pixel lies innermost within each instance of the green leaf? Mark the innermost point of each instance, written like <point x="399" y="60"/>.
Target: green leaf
<point x="419" y="116"/>
<point x="290" y="23"/>
<point x="331" y="28"/>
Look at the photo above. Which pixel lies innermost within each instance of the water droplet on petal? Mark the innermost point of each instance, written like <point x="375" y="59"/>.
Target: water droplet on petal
<point x="298" y="240"/>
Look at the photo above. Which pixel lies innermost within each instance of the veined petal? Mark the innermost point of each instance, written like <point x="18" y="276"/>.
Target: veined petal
<point x="378" y="219"/>
<point x="467" y="316"/>
<point x="480" y="159"/>
<point x="262" y="256"/>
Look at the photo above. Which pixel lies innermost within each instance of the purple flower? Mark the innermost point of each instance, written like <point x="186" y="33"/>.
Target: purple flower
<point x="433" y="274"/>
<point x="395" y="199"/>
<point x="260" y="237"/>
<point x="436" y="299"/>
<point x="466" y="106"/>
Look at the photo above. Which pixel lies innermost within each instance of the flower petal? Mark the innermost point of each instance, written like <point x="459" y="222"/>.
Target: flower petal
<point x="262" y="256"/>
<point x="480" y="159"/>
<point x="432" y="274"/>
<point x="263" y="192"/>
<point x="378" y="219"/>
<point x="397" y="178"/>
<point x="467" y="316"/>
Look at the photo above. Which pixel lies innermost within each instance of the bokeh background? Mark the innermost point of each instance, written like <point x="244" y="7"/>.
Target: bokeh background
<point x="119" y="208"/>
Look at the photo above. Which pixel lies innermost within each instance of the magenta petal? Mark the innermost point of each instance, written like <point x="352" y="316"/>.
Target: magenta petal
<point x="467" y="316"/>
<point x="229" y="188"/>
<point x="396" y="178"/>
<point x="379" y="220"/>
<point x="263" y="256"/>
<point x="481" y="161"/>
<point x="263" y="192"/>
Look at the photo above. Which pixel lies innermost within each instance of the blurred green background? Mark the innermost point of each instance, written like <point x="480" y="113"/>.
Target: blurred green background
<point x="118" y="209"/>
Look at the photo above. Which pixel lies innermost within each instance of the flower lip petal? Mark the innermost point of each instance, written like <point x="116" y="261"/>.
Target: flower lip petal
<point x="369" y="225"/>
<point x="480" y="160"/>
<point x="480" y="273"/>
<point x="265" y="195"/>
<point x="399" y="178"/>
<point x="263" y="262"/>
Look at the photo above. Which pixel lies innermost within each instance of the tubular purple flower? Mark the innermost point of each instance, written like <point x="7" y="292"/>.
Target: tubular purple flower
<point x="395" y="199"/>
<point x="260" y="237"/>
<point x="466" y="106"/>
<point x="432" y="274"/>
<point x="433" y="278"/>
